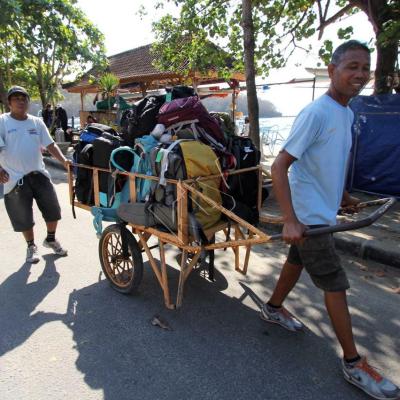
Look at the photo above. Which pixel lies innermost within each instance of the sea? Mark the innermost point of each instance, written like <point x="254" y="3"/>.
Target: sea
<point x="273" y="132"/>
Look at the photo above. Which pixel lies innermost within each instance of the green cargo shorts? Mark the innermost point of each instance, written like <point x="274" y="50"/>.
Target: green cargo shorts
<point x="319" y="258"/>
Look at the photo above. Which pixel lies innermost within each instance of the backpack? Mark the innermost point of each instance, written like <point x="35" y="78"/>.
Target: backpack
<point x="141" y="119"/>
<point x="102" y="149"/>
<point x="99" y="128"/>
<point x="227" y="124"/>
<point x="83" y="154"/>
<point x="83" y="188"/>
<point x="140" y="163"/>
<point x="189" y="109"/>
<point x="180" y="160"/>
<point x="241" y="196"/>
<point x="125" y="159"/>
<point x="182" y="91"/>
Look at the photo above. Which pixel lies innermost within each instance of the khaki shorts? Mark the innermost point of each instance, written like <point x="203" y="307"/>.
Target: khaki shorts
<point x="319" y="258"/>
<point x="19" y="201"/>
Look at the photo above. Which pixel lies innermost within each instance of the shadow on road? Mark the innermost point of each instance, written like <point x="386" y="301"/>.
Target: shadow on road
<point x="218" y="347"/>
<point x="18" y="299"/>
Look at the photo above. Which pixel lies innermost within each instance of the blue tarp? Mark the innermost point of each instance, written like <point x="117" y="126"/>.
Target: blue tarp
<point x="375" y="163"/>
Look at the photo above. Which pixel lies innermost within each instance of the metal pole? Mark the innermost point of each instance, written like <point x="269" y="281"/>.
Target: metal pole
<point x="313" y="88"/>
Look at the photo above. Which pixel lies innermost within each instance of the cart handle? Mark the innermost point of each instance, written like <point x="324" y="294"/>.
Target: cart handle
<point x="348" y="226"/>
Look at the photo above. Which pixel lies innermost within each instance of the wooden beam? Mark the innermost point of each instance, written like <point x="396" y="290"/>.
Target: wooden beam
<point x="182" y="198"/>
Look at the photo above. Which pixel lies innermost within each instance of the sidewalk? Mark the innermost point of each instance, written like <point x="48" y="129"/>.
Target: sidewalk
<point x="379" y="242"/>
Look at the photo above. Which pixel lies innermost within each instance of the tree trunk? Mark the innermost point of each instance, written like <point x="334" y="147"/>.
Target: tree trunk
<point x="379" y="13"/>
<point x="3" y="95"/>
<point x="250" y="70"/>
<point x="386" y="58"/>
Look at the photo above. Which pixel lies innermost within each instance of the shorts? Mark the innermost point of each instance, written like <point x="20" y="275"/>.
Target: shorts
<point x="19" y="201"/>
<point x="319" y="258"/>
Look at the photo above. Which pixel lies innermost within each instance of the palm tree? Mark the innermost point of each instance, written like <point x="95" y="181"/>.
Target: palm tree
<point x="108" y="84"/>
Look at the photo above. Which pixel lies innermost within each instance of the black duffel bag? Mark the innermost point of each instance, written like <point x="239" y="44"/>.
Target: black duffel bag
<point x="141" y="119"/>
<point x="100" y="128"/>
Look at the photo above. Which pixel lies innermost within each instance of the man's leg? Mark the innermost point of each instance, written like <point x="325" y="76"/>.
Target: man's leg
<point x="32" y="255"/>
<point x="338" y="310"/>
<point x="288" y="278"/>
<point x="19" y="208"/>
<point x="356" y="370"/>
<point x="29" y="235"/>
<point x="46" y="199"/>
<point x="51" y="242"/>
<point x="273" y="311"/>
<point x="52" y="226"/>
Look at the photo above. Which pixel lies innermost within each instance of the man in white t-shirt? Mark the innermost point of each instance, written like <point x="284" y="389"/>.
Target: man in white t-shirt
<point x="317" y="152"/>
<point x="23" y="173"/>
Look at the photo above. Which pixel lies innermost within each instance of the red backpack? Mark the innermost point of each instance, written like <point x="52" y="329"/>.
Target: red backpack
<point x="189" y="109"/>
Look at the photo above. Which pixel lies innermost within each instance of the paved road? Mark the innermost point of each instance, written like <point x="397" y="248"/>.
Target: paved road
<point x="65" y="334"/>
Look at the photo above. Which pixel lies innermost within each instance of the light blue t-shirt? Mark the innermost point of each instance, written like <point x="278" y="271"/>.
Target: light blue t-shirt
<point x="320" y="140"/>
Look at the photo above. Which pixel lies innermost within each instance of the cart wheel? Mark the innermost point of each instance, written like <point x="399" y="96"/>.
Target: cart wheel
<point x="124" y="273"/>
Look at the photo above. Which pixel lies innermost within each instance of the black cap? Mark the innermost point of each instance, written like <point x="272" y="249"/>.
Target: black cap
<point x="17" y="89"/>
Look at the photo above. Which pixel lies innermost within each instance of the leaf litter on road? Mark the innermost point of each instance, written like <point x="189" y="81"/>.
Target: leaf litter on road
<point x="160" y="322"/>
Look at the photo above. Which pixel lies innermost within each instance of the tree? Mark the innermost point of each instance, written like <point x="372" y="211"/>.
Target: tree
<point x="384" y="15"/>
<point x="49" y="39"/>
<point x="279" y="29"/>
<point x="249" y="46"/>
<point x="108" y="84"/>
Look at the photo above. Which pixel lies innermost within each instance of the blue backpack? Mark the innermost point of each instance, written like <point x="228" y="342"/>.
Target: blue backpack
<point x="141" y="165"/>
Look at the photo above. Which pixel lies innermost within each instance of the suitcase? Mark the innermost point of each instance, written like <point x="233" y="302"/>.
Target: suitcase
<point x="102" y="148"/>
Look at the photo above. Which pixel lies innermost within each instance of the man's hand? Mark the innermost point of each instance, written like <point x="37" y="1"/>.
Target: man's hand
<point x="3" y="176"/>
<point x="67" y="163"/>
<point x="349" y="203"/>
<point x="292" y="232"/>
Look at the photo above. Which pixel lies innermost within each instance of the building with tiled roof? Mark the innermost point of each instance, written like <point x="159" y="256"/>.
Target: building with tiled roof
<point x="136" y="72"/>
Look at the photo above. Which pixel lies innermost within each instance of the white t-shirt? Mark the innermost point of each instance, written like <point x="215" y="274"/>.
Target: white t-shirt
<point x="320" y="139"/>
<point x="21" y="144"/>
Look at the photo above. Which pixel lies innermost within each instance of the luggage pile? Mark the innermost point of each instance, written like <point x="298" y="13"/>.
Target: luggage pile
<point x="172" y="137"/>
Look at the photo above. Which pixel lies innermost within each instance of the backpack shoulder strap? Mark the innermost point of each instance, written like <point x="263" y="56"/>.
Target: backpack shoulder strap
<point x="113" y="163"/>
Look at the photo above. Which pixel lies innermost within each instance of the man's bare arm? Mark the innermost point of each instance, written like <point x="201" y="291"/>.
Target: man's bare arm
<point x="55" y="151"/>
<point x="293" y="229"/>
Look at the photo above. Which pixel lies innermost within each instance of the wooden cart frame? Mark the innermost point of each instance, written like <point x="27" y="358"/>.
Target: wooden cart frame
<point x="121" y="258"/>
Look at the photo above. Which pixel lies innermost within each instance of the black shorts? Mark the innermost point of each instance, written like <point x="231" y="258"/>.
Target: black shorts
<point x="319" y="258"/>
<point x="19" y="201"/>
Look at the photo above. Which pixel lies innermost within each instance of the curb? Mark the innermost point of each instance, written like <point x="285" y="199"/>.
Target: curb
<point x="361" y="248"/>
<point x="367" y="249"/>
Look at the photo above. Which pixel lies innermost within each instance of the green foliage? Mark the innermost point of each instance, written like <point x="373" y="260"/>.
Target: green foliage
<point x="108" y="84"/>
<point x="345" y="33"/>
<point x="279" y="26"/>
<point x="44" y="40"/>
<point x="325" y="51"/>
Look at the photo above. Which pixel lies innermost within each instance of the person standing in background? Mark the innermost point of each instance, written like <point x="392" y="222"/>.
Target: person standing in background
<point x="61" y="118"/>
<point x="47" y="115"/>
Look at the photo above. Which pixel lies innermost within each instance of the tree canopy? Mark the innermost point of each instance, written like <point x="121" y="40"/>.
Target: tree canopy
<point x="42" y="41"/>
<point x="279" y="26"/>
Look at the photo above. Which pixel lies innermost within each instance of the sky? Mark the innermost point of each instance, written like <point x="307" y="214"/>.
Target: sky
<point x="124" y="30"/>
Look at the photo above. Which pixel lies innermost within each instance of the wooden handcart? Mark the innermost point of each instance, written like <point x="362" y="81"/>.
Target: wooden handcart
<point x="122" y="244"/>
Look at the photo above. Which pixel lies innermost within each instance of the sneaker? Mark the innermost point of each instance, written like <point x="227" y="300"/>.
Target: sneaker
<point x="280" y="316"/>
<point x="56" y="246"/>
<point x="32" y="255"/>
<point x="362" y="375"/>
